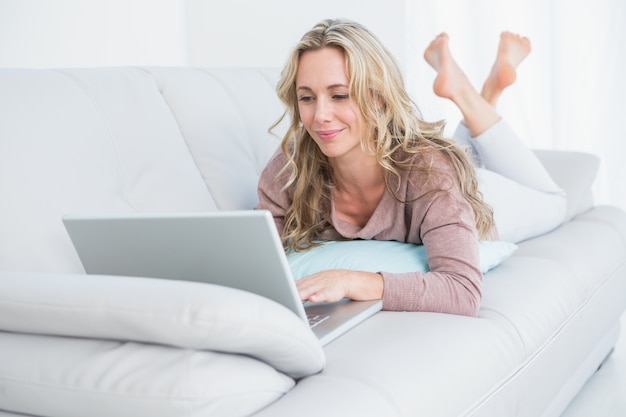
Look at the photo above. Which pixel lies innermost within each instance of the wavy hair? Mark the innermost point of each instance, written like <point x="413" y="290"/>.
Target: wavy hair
<point x="394" y="124"/>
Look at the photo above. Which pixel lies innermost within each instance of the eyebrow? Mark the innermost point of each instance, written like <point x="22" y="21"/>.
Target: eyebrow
<point x="330" y="87"/>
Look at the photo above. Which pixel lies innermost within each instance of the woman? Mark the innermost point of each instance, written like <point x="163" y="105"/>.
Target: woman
<point x="358" y="162"/>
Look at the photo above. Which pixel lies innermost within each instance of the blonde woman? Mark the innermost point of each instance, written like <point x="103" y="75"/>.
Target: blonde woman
<point x="358" y="162"/>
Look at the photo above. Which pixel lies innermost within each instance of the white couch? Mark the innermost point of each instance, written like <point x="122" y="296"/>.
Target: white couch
<point x="185" y="139"/>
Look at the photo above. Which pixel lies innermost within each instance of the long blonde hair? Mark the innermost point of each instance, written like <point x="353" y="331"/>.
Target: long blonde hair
<point x="394" y="122"/>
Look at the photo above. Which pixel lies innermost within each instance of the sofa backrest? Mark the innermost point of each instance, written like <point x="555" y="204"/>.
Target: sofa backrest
<point x="124" y="140"/>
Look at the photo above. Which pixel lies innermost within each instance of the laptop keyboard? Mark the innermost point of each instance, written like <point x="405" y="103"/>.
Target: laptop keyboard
<point x="315" y="319"/>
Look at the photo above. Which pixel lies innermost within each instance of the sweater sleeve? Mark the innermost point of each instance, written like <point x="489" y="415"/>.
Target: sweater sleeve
<point x="447" y="230"/>
<point x="271" y="195"/>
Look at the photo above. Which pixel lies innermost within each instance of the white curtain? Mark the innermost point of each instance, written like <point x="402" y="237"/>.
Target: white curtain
<point x="570" y="90"/>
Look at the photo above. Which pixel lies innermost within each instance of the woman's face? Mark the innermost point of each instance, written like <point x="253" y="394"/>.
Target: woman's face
<point x="327" y="111"/>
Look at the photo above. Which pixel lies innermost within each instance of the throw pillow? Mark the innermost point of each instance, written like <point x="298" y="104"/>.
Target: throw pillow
<point x="382" y="256"/>
<point x="183" y="314"/>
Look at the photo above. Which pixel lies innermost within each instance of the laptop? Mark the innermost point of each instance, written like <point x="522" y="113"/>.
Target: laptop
<point x="239" y="249"/>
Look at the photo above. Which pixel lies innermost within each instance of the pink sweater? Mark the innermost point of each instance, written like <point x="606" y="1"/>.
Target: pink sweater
<point x="442" y="221"/>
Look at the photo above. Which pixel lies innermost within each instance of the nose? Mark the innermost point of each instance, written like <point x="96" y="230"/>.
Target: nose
<point x="323" y="111"/>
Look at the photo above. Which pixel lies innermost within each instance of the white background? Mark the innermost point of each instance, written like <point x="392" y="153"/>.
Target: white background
<point x="569" y="93"/>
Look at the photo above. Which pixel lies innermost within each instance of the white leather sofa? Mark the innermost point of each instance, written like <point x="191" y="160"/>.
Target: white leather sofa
<point x="184" y="139"/>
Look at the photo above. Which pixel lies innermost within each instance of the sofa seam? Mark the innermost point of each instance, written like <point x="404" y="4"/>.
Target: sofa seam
<point x="98" y="109"/>
<point x="147" y="71"/>
<point x="189" y="398"/>
<point x="565" y="323"/>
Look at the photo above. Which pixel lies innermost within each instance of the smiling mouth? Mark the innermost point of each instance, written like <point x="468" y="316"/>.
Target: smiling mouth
<point x="327" y="134"/>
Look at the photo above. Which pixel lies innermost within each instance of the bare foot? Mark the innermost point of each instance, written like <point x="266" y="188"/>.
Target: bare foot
<point x="511" y="52"/>
<point x="452" y="83"/>
<point x="450" y="78"/>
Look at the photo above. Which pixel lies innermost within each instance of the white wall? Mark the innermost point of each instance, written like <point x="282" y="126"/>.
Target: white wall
<point x="261" y="33"/>
<point x="74" y="33"/>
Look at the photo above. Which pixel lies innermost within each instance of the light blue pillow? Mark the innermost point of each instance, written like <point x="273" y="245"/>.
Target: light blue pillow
<point x="382" y="256"/>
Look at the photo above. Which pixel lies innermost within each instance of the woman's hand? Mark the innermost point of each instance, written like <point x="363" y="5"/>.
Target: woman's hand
<point x="335" y="284"/>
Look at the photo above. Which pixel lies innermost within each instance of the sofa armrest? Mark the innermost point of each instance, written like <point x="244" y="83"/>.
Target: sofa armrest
<point x="575" y="173"/>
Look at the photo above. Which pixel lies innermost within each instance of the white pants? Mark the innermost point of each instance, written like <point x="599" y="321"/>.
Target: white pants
<point x="525" y="199"/>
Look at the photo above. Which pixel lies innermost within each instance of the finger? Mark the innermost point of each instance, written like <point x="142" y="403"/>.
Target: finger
<point x="324" y="294"/>
<point x="305" y="289"/>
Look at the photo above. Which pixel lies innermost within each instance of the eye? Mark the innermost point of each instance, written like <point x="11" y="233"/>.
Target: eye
<point x="305" y="99"/>
<point x="341" y="96"/>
